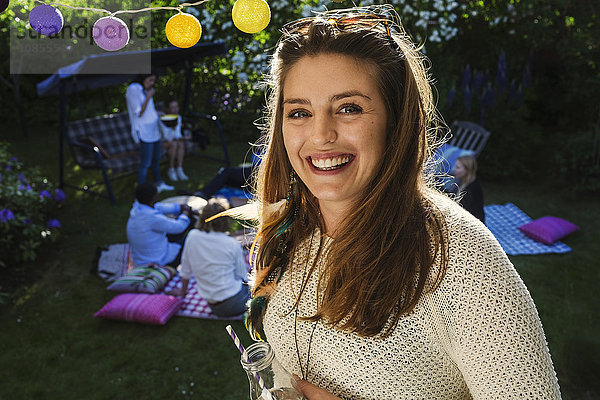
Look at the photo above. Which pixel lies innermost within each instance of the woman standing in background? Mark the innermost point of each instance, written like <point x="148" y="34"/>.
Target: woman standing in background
<point x="144" y="127"/>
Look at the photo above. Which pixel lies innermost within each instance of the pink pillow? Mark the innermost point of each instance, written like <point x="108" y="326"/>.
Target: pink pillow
<point x="145" y="308"/>
<point x="548" y="229"/>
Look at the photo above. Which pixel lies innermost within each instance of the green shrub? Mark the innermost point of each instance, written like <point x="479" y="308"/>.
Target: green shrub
<point x="28" y="206"/>
<point x="579" y="161"/>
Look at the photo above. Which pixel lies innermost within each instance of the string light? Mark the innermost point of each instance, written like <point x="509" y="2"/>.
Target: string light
<point x="110" y="33"/>
<point x="46" y="20"/>
<point x="183" y="30"/>
<point x="251" y="16"/>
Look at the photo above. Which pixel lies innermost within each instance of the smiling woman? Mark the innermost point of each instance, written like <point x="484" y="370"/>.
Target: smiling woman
<point x="333" y="130"/>
<point x="369" y="284"/>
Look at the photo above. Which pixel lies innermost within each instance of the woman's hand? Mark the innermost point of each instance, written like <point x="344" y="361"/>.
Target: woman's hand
<point x="312" y="392"/>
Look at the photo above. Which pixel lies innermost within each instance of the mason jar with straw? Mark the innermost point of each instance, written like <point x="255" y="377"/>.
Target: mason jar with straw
<point x="267" y="377"/>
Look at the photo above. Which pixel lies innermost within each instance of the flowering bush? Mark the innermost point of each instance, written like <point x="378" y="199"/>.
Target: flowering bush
<point x="28" y="205"/>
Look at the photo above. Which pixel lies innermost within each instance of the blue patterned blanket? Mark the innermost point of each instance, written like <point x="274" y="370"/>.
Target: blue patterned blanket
<point x="503" y="221"/>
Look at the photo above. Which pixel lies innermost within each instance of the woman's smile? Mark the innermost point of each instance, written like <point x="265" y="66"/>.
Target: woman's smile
<point x="330" y="163"/>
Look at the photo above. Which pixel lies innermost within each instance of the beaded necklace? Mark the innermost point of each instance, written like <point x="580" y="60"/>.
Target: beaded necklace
<point x="314" y="325"/>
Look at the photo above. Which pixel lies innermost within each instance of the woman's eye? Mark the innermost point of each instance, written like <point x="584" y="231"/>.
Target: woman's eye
<point x="297" y="114"/>
<point x="350" y="109"/>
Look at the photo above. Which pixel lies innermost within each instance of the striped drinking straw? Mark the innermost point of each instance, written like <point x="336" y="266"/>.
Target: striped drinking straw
<point x="265" y="392"/>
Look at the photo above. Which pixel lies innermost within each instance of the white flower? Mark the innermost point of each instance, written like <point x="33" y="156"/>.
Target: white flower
<point x="307" y="11"/>
<point x="435" y="36"/>
<point x="258" y="58"/>
<point x="242" y="78"/>
<point x="421" y="23"/>
<point x="238" y="59"/>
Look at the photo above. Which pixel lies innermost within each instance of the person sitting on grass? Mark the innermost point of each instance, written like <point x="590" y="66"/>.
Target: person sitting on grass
<point x="148" y="227"/>
<point x="174" y="142"/>
<point x="217" y="262"/>
<point x="469" y="188"/>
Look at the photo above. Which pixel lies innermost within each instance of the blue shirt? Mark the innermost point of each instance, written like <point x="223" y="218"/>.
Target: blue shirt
<point x="147" y="230"/>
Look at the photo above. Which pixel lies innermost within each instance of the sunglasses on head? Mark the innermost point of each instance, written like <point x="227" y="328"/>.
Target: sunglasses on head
<point x="362" y="20"/>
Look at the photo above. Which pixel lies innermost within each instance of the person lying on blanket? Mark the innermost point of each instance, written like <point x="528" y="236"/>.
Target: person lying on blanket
<point x="217" y="262"/>
<point x="154" y="237"/>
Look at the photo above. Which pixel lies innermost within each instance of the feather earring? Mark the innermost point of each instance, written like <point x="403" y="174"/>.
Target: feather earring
<point x="292" y="205"/>
<point x="256" y="308"/>
<point x="254" y="317"/>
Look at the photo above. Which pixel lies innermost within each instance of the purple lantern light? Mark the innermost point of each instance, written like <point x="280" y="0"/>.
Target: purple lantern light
<point x="46" y="20"/>
<point x="110" y="34"/>
<point x="3" y="5"/>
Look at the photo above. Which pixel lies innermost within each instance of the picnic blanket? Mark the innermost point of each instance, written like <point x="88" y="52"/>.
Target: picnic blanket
<point x="194" y="305"/>
<point x="113" y="261"/>
<point x="503" y="221"/>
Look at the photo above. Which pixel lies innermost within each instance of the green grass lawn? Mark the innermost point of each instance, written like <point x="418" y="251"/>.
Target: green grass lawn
<point x="52" y="347"/>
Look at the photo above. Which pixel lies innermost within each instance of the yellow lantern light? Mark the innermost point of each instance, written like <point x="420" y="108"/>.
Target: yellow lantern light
<point x="183" y="30"/>
<point x="251" y="16"/>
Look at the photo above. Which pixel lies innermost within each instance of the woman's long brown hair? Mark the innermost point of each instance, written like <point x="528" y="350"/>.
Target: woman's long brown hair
<point x="384" y="257"/>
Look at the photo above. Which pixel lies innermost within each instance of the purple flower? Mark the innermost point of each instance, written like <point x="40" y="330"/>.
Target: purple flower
<point x="489" y="98"/>
<point x="467" y="99"/>
<point x="13" y="158"/>
<point x="59" y="195"/>
<point x="22" y="178"/>
<point x="8" y="167"/>
<point x="45" y="193"/>
<point x="6" y="215"/>
<point x="26" y="221"/>
<point x="451" y="96"/>
<point x="501" y="77"/>
<point x="21" y="186"/>
<point x="466" y="77"/>
<point x="53" y="223"/>
<point x="512" y="92"/>
<point x="478" y="81"/>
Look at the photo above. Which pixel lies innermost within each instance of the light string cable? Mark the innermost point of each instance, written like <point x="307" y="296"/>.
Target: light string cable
<point x="113" y="13"/>
<point x="183" y="30"/>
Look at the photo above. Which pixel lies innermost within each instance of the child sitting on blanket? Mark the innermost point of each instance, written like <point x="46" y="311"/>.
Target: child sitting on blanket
<point x="217" y="262"/>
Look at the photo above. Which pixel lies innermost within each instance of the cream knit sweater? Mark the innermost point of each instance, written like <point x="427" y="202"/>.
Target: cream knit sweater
<point x="477" y="336"/>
